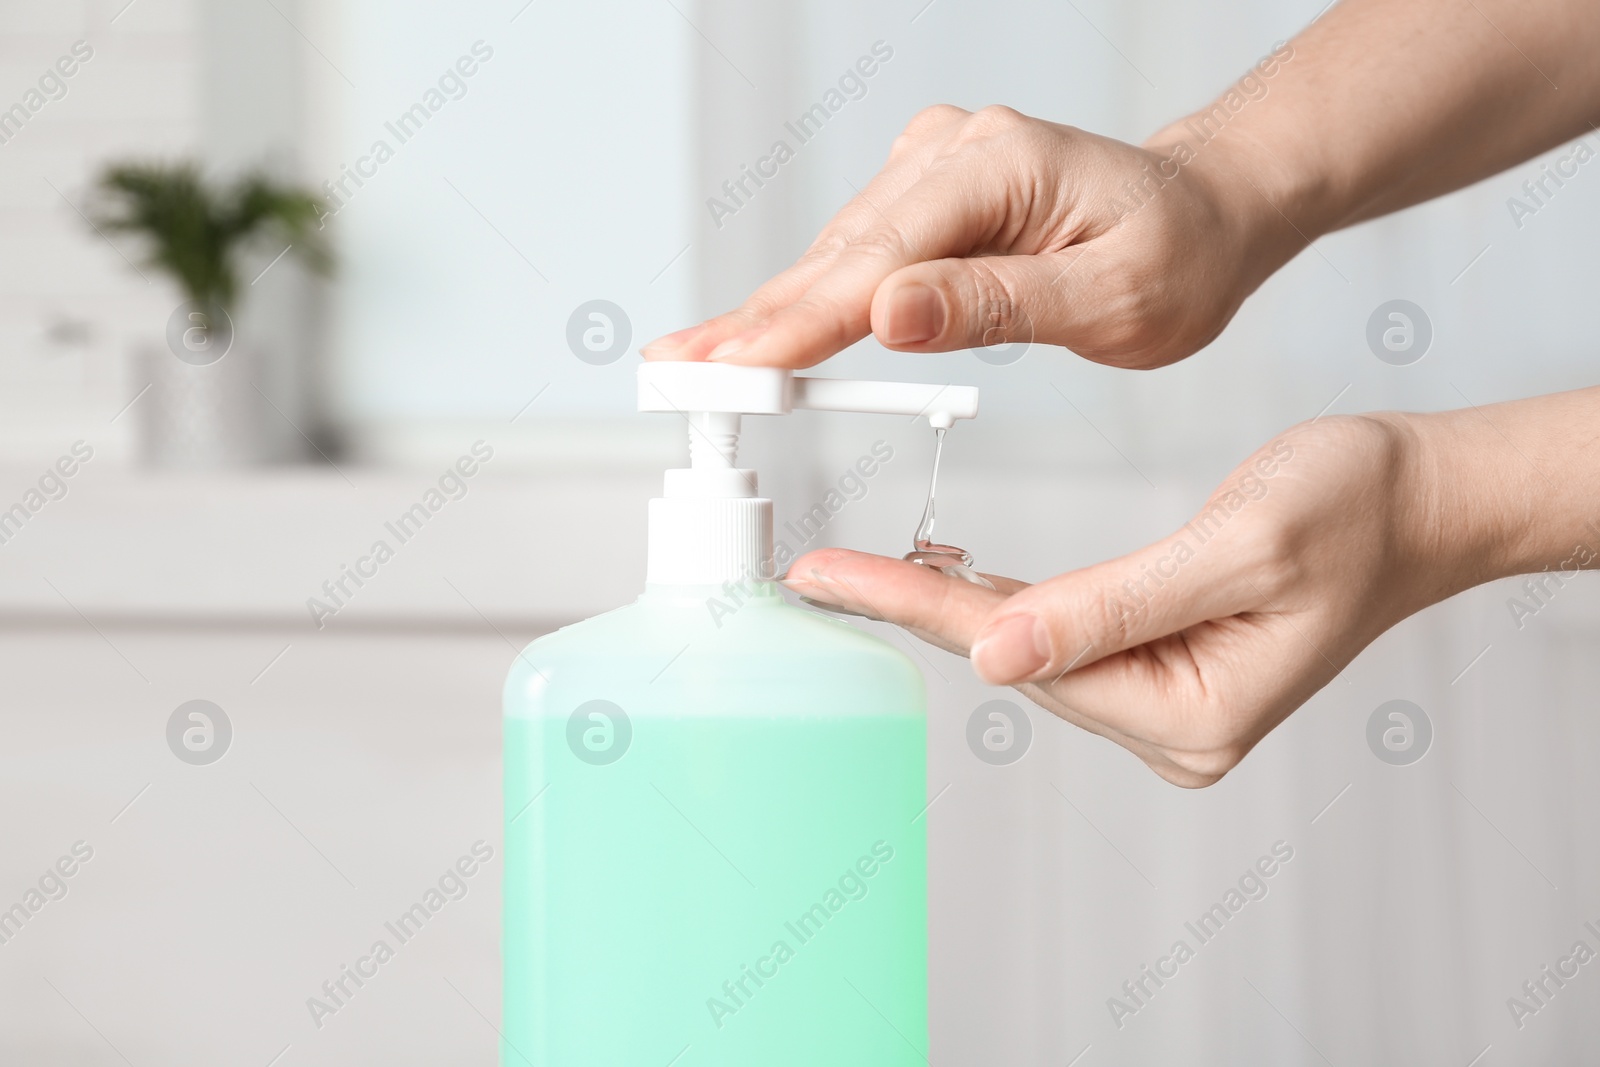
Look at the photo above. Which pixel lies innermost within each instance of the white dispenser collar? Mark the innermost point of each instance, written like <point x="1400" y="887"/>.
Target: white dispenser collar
<point x="709" y="526"/>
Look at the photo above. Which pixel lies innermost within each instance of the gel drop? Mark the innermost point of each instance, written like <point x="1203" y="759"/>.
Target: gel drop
<point x="956" y="562"/>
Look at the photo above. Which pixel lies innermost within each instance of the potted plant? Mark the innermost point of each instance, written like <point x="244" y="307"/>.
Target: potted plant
<point x="201" y="407"/>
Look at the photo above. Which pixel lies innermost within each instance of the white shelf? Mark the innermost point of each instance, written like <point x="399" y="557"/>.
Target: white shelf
<point x="253" y="547"/>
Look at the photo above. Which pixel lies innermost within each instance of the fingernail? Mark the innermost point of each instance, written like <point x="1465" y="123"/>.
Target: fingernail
<point x="671" y="342"/>
<point x="916" y="314"/>
<point x="799" y="584"/>
<point x="1012" y="649"/>
<point x="822" y="580"/>
<point x="737" y="345"/>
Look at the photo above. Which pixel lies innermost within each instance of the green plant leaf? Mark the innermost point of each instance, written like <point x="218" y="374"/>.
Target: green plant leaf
<point x="198" y="232"/>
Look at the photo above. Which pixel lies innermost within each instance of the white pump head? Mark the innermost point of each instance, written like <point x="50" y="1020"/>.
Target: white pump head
<point x="709" y="526"/>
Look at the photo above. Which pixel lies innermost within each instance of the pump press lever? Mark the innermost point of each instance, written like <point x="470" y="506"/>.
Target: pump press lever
<point x="722" y="387"/>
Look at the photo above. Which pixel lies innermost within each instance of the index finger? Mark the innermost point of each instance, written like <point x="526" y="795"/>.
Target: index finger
<point x="936" y="219"/>
<point x="902" y="171"/>
<point x="942" y="610"/>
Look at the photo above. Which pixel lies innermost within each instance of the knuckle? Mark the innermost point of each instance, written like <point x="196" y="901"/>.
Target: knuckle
<point x="902" y="146"/>
<point x="754" y="310"/>
<point x="997" y="315"/>
<point x="1111" y="619"/>
<point x="925" y="129"/>
<point x="980" y="128"/>
<point x="832" y="321"/>
<point x="989" y="286"/>
<point x="931" y="119"/>
<point x="986" y="124"/>
<point x="997" y="118"/>
<point x="828" y="245"/>
<point x="884" y="241"/>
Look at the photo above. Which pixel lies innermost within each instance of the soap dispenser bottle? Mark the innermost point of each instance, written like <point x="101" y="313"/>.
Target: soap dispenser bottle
<point x="714" y="845"/>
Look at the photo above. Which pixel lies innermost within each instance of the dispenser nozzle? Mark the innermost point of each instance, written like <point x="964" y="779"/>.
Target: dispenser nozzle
<point x="709" y="526"/>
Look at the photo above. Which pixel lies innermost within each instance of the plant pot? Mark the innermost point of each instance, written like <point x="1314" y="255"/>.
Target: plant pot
<point x="199" y="417"/>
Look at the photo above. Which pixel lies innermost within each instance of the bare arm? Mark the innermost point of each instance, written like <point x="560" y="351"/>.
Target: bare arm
<point x="992" y="226"/>
<point x="1387" y="103"/>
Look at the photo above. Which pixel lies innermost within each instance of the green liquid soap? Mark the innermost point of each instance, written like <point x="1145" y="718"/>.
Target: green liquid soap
<point x="715" y="851"/>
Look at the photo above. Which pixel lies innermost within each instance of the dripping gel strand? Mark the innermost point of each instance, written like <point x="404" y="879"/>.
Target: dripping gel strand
<point x="948" y="559"/>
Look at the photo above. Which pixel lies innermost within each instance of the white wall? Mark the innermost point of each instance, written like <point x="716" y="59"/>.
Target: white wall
<point x="556" y="178"/>
<point x="72" y="309"/>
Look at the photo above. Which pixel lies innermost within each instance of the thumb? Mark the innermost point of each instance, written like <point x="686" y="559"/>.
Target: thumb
<point x="948" y="304"/>
<point x="1072" y="620"/>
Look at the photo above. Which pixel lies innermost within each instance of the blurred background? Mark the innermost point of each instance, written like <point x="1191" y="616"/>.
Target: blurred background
<point x="537" y="158"/>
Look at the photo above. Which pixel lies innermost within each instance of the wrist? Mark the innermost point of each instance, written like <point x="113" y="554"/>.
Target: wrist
<point x="1478" y="508"/>
<point x="1260" y="145"/>
<point x="1445" y="537"/>
<point x="1268" y="202"/>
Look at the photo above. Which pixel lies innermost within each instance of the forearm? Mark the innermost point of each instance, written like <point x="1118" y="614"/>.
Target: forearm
<point x="1501" y="489"/>
<point x="1387" y="103"/>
